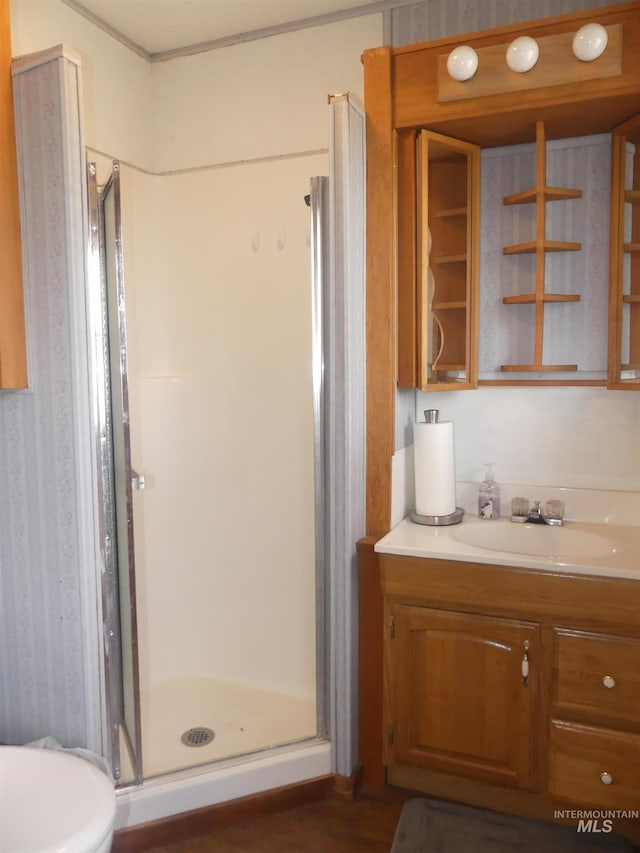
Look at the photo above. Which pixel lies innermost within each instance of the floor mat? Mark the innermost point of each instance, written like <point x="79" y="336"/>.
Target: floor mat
<point x="429" y="826"/>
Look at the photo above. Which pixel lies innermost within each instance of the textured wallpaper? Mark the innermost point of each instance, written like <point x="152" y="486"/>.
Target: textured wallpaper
<point x="437" y="19"/>
<point x="48" y="622"/>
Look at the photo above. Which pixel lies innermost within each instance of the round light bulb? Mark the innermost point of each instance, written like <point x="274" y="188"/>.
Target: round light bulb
<point x="522" y="54"/>
<point x="590" y="42"/>
<point x="462" y="62"/>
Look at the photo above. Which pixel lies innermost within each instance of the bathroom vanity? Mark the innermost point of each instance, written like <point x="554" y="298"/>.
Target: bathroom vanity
<point x="512" y="681"/>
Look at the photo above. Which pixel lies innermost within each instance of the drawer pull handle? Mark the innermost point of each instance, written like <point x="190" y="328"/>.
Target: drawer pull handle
<point x="606" y="778"/>
<point x="609" y="681"/>
<point x="525" y="664"/>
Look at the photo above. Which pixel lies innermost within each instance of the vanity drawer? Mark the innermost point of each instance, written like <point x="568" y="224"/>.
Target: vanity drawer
<point x="596" y="767"/>
<point x="597" y="674"/>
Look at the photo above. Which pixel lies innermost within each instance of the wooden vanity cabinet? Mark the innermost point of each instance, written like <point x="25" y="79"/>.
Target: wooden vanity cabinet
<point x="512" y="688"/>
<point x="13" y="358"/>
<point x="460" y="701"/>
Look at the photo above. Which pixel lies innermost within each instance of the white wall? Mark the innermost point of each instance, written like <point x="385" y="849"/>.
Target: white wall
<point x="262" y="98"/>
<point x="116" y="83"/>
<point x="585" y="438"/>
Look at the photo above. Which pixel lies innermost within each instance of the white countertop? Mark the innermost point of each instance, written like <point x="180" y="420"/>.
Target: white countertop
<point x="418" y="540"/>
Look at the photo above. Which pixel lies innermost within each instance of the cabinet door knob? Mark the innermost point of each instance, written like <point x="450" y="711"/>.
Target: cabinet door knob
<point x="606" y="778"/>
<point x="609" y="681"/>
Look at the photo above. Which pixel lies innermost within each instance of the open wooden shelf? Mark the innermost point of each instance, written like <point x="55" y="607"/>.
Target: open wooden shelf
<point x="451" y="259"/>
<point x="546" y="368"/>
<point x="631" y="248"/>
<point x="533" y="195"/>
<point x="448" y="306"/>
<point x="532" y="298"/>
<point x="540" y="195"/>
<point x="454" y="211"/>
<point x="532" y="246"/>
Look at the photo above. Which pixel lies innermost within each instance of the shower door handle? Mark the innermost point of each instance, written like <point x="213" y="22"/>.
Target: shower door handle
<point x="137" y="481"/>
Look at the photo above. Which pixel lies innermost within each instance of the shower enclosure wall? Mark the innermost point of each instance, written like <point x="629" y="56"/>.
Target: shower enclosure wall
<point x="217" y="365"/>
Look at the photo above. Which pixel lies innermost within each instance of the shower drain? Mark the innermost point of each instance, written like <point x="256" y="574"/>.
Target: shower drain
<point x="199" y="736"/>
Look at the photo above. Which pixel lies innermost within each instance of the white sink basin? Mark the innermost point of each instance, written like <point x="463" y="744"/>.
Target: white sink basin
<point x="535" y="539"/>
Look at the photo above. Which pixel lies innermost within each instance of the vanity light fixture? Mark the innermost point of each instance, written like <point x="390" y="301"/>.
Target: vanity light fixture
<point x="522" y="54"/>
<point x="462" y="63"/>
<point x="590" y="42"/>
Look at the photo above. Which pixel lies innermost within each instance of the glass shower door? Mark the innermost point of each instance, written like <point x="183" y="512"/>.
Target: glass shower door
<point x="118" y="481"/>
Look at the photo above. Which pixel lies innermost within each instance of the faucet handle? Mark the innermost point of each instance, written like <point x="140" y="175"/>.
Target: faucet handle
<point x="553" y="512"/>
<point x="519" y="509"/>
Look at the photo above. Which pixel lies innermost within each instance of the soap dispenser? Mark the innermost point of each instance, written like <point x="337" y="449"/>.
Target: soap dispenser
<point x="489" y="495"/>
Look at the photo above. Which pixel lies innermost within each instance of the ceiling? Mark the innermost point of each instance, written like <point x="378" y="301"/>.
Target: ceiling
<point x="158" y="26"/>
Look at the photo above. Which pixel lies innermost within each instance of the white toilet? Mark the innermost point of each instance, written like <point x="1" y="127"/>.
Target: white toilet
<point x="53" y="802"/>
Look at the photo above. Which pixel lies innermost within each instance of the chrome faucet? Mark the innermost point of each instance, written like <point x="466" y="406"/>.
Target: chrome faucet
<point x="535" y="514"/>
<point x="552" y="513"/>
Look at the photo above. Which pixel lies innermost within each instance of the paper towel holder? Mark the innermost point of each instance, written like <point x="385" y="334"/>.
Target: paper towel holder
<point x="431" y="417"/>
<point x="438" y="520"/>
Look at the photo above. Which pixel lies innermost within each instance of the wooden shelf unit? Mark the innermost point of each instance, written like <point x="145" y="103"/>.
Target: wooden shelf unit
<point x="540" y="195"/>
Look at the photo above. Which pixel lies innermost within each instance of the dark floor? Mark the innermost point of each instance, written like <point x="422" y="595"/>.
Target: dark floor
<point x="365" y="825"/>
<point x="330" y="826"/>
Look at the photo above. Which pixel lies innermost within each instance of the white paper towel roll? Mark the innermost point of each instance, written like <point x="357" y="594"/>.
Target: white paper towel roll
<point x="434" y="468"/>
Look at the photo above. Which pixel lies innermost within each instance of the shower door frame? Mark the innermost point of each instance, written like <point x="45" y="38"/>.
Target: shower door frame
<point x="122" y="699"/>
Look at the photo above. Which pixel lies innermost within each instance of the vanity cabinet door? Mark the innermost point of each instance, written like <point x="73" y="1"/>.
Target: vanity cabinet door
<point x="461" y="692"/>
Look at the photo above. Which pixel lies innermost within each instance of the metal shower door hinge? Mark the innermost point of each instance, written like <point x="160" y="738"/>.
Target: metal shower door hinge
<point x="137" y="481"/>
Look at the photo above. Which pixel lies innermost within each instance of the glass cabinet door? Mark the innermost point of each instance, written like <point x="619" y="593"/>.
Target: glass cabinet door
<point x="448" y="196"/>
<point x="624" y="257"/>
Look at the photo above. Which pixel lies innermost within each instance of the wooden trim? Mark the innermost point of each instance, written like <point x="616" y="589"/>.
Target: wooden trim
<point x="347" y="787"/>
<point x="586" y="602"/>
<point x="539" y="383"/>
<point x="381" y="290"/>
<point x="176" y="828"/>
<point x="370" y="663"/>
<point x="568" y="109"/>
<point x="407" y="260"/>
<point x="13" y="352"/>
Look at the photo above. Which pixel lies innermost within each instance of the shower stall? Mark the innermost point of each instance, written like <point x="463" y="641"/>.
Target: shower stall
<point x="217" y="320"/>
<point x="194" y="438"/>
